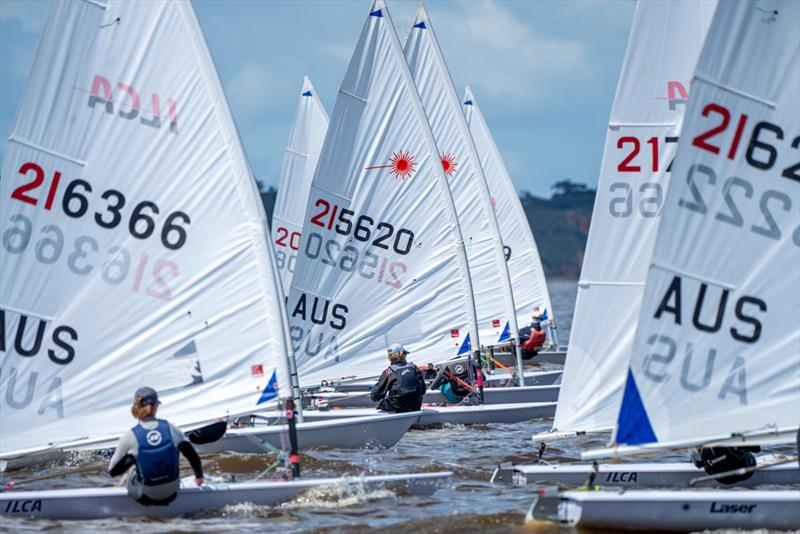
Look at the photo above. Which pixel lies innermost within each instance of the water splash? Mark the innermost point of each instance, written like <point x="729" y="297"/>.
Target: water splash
<point x="340" y="495"/>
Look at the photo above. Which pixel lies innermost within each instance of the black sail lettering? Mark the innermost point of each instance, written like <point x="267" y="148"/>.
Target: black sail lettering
<point x="300" y="307"/>
<point x="37" y="342"/>
<point x="339" y="314"/>
<point x="674" y="291"/>
<point x="2" y="331"/>
<point x="749" y="319"/>
<point x="58" y="339"/>
<point x="315" y="316"/>
<point x="698" y="310"/>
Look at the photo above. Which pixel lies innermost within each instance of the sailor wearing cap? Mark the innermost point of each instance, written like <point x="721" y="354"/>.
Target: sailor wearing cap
<point x="152" y="446"/>
<point x="401" y="385"/>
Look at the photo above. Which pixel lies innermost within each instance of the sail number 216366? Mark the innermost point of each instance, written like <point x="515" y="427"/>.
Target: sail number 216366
<point x="76" y="200"/>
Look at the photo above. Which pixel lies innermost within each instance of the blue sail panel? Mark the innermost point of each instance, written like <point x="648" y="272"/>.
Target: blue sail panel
<point x="633" y="426"/>
<point x="271" y="391"/>
<point x="506" y="335"/>
<point x="466" y="346"/>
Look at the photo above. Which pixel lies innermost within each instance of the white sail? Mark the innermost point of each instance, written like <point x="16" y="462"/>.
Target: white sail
<point x="643" y="131"/>
<point x="299" y="162"/>
<point x="717" y="348"/>
<point x="491" y="283"/>
<point x="381" y="256"/>
<point x="522" y="255"/>
<point x="134" y="245"/>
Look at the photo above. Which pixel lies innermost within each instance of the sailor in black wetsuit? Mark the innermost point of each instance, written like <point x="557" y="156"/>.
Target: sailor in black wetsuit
<point x="401" y="385"/>
<point x="152" y="446"/>
<point x="715" y="460"/>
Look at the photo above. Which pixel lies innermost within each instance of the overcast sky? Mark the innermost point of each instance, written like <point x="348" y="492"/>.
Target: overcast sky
<point x="544" y="72"/>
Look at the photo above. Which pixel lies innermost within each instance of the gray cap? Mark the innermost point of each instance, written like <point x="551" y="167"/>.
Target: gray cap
<point x="148" y="395"/>
<point x="397" y="347"/>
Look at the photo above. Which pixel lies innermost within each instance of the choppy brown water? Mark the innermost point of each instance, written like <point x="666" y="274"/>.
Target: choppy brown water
<point x="469" y="504"/>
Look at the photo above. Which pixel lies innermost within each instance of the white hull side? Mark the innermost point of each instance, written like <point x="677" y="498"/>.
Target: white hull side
<point x="549" y="356"/>
<point x="456" y="415"/>
<point x="491" y="395"/>
<point x="496" y="379"/>
<point x="114" y="502"/>
<point x="637" y="475"/>
<point x="486" y="414"/>
<point x="536" y="378"/>
<point x="677" y="510"/>
<point x="380" y="430"/>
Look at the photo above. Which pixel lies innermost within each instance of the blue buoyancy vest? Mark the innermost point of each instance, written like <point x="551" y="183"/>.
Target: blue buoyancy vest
<point x="157" y="460"/>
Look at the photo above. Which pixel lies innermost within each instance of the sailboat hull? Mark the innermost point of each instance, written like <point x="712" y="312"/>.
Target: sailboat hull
<point x="96" y="503"/>
<point x="380" y="430"/>
<point x="497" y="379"/>
<point x="675" y="510"/>
<point x="636" y="475"/>
<point x="557" y="357"/>
<point x="491" y="395"/>
<point x="456" y="415"/>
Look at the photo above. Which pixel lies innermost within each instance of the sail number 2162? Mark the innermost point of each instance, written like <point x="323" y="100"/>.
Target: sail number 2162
<point x="760" y="153"/>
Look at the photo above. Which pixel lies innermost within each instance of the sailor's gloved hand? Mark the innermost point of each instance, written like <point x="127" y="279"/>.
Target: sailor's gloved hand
<point x="199" y="481"/>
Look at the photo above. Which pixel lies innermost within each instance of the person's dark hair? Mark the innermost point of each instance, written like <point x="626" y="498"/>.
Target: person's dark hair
<point x="396" y="357"/>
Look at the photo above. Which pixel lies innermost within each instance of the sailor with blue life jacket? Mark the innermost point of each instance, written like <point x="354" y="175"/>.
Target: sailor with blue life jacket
<point x="401" y="386"/>
<point x="453" y="381"/>
<point x="152" y="446"/>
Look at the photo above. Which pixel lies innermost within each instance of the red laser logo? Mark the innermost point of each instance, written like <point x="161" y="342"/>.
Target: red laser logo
<point x="402" y="165"/>
<point x="449" y="164"/>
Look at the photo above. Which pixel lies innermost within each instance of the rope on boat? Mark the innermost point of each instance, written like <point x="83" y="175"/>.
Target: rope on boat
<point x="11" y="484"/>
